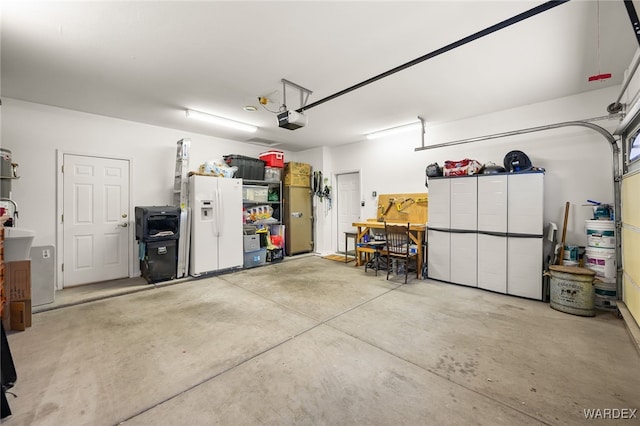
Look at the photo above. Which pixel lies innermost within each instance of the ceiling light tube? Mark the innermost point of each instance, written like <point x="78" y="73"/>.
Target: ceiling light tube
<point x="394" y="130"/>
<point x="220" y="121"/>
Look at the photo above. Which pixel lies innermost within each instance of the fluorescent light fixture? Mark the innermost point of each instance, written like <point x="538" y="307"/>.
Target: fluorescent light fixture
<point x="394" y="130"/>
<point x="220" y="121"/>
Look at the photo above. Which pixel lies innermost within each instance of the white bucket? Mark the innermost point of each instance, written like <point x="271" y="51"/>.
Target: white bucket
<point x="605" y="295"/>
<point x="603" y="261"/>
<point x="601" y="233"/>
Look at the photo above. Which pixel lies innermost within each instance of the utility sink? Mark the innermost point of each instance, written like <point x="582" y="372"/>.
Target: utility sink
<point x="17" y="243"/>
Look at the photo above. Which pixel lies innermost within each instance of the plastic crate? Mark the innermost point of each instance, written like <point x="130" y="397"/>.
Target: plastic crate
<point x="255" y="258"/>
<point x="248" y="167"/>
<point x="272" y="174"/>
<point x="256" y="193"/>
<point x="273" y="158"/>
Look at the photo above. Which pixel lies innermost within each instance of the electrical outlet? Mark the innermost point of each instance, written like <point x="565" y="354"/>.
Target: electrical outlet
<point x="46" y="254"/>
<point x="362" y="203"/>
<point x="374" y="194"/>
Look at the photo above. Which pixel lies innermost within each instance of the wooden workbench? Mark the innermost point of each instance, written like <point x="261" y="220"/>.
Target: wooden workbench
<point x="417" y="231"/>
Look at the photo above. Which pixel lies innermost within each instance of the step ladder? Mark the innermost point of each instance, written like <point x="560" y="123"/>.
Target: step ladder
<point x="181" y="199"/>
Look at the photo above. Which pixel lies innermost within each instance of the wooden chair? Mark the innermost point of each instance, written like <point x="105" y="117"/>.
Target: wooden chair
<point x="398" y="246"/>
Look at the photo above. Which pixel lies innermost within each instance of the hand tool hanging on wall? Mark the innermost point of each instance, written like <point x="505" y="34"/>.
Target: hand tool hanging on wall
<point x="404" y="203"/>
<point x="381" y="207"/>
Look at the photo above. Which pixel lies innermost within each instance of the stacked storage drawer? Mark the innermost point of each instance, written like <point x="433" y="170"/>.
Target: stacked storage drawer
<point x="255" y="253"/>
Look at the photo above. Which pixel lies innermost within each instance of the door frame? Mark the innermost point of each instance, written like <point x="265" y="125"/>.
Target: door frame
<point x="335" y="238"/>
<point x="59" y="284"/>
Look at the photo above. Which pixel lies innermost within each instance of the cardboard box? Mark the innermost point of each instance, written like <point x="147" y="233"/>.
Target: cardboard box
<point x="297" y="168"/>
<point x="18" y="315"/>
<point x="18" y="280"/>
<point x="295" y="179"/>
<point x="6" y="317"/>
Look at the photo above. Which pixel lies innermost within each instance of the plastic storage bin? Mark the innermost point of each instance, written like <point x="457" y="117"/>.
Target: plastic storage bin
<point x="248" y="167"/>
<point x="272" y="174"/>
<point x="251" y="243"/>
<point x="255" y="258"/>
<point x="273" y="158"/>
<point x="258" y="194"/>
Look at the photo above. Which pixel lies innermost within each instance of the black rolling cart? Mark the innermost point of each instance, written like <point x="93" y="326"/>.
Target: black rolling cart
<point x="157" y="232"/>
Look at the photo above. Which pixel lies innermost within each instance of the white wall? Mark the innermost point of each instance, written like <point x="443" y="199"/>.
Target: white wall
<point x="34" y="133"/>
<point x="577" y="160"/>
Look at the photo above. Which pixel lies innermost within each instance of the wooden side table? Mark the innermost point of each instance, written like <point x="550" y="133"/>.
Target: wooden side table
<point x="348" y="235"/>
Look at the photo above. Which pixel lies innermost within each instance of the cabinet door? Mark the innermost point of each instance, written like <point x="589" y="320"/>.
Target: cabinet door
<point x="492" y="263"/>
<point x="464" y="256"/>
<point x="464" y="203"/>
<point x="525" y="203"/>
<point x="438" y="260"/>
<point x="524" y="267"/>
<point x="492" y="203"/>
<point x="439" y="203"/>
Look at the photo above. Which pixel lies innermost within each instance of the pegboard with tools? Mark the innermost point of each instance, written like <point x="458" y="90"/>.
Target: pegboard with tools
<point x="410" y="208"/>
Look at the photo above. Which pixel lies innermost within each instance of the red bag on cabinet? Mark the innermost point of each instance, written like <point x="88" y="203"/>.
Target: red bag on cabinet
<point x="461" y="168"/>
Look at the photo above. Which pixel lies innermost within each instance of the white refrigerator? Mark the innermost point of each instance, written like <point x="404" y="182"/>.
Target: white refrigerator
<point x="216" y="224"/>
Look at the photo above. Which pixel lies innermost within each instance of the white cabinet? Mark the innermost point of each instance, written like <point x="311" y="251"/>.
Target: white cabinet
<point x="464" y="203"/>
<point x="492" y="262"/>
<point x="439" y="259"/>
<point x="524" y="267"/>
<point x="464" y="258"/>
<point x="439" y="203"/>
<point x="525" y="204"/>
<point x="492" y="203"/>
<point x="492" y="236"/>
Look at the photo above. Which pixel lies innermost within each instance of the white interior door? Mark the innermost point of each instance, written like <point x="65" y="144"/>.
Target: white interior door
<point x="347" y="205"/>
<point x="95" y="219"/>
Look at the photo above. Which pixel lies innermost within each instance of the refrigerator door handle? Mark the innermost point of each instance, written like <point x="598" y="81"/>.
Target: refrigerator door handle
<point x="216" y="231"/>
<point x="220" y="210"/>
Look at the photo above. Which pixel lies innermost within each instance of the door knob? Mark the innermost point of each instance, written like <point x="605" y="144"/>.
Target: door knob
<point x="124" y="215"/>
<point x="123" y="224"/>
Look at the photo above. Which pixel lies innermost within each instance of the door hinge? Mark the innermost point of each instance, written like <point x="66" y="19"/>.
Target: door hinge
<point x="62" y="218"/>
<point x="63" y="267"/>
<point x="62" y="168"/>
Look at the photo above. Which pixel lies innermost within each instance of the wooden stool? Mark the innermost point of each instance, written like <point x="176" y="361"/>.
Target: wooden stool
<point x="348" y="235"/>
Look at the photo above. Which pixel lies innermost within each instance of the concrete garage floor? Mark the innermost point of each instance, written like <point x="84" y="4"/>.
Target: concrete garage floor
<point x="314" y="341"/>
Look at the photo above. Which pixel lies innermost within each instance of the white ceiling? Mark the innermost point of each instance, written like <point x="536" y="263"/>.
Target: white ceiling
<point x="149" y="61"/>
